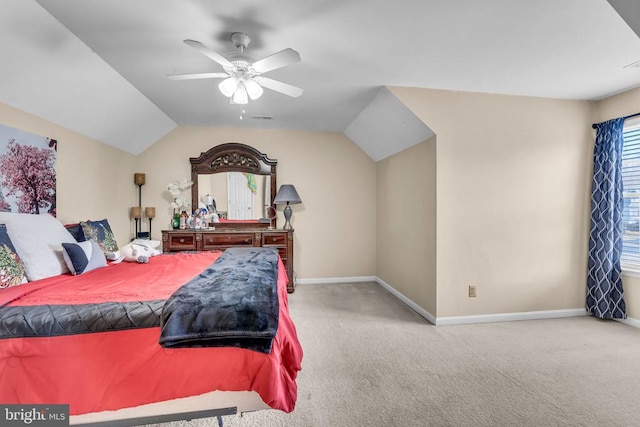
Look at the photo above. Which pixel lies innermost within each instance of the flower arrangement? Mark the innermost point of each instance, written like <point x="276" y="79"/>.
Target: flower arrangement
<point x="179" y="202"/>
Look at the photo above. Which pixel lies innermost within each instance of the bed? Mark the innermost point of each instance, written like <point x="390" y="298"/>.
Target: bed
<point x="124" y="373"/>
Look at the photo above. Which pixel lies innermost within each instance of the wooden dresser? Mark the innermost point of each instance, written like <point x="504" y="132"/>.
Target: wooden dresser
<point x="219" y="240"/>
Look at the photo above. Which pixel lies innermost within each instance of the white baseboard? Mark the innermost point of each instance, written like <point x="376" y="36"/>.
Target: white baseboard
<point x="630" y="321"/>
<point x="510" y="317"/>
<point x="485" y="318"/>
<point x="462" y="320"/>
<point x="351" y="279"/>
<point x="412" y="305"/>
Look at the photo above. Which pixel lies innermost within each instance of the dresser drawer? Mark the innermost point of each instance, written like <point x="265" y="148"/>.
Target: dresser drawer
<point x="273" y="239"/>
<point x="182" y="242"/>
<point x="214" y="241"/>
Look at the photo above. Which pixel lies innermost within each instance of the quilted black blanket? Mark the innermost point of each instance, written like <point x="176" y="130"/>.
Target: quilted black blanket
<point x="56" y="320"/>
<point x="233" y="303"/>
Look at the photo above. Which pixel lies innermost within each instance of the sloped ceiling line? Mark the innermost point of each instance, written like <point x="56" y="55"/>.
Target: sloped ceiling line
<point x="47" y="71"/>
<point x="386" y="126"/>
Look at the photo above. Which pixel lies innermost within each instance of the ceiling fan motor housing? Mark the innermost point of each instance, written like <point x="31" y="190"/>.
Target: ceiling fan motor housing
<point x="240" y="40"/>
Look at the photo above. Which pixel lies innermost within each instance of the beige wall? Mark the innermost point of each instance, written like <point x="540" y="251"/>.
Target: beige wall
<point x="512" y="199"/>
<point x="334" y="225"/>
<point x="94" y="180"/>
<point x="406" y="223"/>
<point x="621" y="105"/>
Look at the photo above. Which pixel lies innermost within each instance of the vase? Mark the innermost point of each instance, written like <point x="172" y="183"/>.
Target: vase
<point x="175" y="221"/>
<point x="183" y="220"/>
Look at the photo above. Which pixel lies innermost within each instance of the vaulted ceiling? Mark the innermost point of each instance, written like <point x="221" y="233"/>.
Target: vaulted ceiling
<point x="99" y="67"/>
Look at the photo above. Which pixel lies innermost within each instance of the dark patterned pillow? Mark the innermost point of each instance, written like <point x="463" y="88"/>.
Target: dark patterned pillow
<point x="83" y="257"/>
<point x="76" y="231"/>
<point x="100" y="232"/>
<point x="11" y="269"/>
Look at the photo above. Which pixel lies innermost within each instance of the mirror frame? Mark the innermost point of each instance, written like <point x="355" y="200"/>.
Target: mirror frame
<point x="233" y="157"/>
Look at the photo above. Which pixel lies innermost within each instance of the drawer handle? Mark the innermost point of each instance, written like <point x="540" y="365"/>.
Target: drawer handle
<point x="246" y="240"/>
<point x="210" y="240"/>
<point x="181" y="240"/>
<point x="274" y="239"/>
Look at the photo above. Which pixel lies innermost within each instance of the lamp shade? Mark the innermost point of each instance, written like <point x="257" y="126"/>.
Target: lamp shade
<point x="254" y="90"/>
<point x="228" y="86"/>
<point x="136" y="212"/>
<point x="139" y="178"/>
<point x="150" y="212"/>
<point x="240" y="96"/>
<point x="287" y="194"/>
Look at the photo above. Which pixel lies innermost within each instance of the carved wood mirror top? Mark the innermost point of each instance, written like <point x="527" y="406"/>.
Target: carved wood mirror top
<point x="234" y="157"/>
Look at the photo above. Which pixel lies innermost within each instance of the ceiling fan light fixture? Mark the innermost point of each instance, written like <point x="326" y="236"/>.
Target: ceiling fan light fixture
<point x="229" y="86"/>
<point x="240" y="96"/>
<point x="253" y="89"/>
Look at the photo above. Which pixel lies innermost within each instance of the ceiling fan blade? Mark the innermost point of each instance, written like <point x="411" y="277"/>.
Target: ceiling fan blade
<point x="277" y="60"/>
<point x="209" y="52"/>
<point x="197" y="76"/>
<point x="278" y="86"/>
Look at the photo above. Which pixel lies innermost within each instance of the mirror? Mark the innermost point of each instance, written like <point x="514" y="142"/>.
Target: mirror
<point x="250" y="194"/>
<point x="239" y="180"/>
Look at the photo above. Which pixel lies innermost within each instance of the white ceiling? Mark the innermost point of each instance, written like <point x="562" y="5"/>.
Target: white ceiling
<point x="99" y="67"/>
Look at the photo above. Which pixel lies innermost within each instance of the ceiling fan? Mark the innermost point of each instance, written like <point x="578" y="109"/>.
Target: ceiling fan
<point x="242" y="75"/>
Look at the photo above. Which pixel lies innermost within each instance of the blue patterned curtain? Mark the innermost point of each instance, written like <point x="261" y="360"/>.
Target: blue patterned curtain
<point x="604" y="284"/>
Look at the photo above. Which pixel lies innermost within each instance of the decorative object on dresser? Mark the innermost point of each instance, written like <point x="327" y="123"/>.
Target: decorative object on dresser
<point x="178" y="201"/>
<point x="270" y="213"/>
<point x="221" y="239"/>
<point x="287" y="194"/>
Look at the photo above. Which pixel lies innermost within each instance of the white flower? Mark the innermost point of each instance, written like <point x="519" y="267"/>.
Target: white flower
<point x="176" y="189"/>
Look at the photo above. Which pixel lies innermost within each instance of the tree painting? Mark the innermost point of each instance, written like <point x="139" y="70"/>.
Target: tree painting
<point x="27" y="172"/>
<point x="4" y="206"/>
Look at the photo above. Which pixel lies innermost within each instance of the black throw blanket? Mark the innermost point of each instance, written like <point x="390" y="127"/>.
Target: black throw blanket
<point x="233" y="303"/>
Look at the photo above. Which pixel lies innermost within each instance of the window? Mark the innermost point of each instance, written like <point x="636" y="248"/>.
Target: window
<point x="631" y="196"/>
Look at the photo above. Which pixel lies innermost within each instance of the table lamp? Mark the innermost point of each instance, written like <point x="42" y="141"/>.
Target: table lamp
<point x="287" y="194"/>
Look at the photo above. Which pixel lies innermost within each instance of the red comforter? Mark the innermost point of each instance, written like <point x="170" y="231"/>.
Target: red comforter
<point x="112" y="370"/>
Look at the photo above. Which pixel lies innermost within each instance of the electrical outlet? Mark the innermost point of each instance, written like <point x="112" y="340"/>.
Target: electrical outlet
<point x="473" y="291"/>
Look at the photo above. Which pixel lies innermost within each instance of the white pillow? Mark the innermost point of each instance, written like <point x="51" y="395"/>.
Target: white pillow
<point x="38" y="242"/>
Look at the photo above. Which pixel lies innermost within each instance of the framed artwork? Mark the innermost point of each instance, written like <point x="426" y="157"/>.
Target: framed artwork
<point x="27" y="172"/>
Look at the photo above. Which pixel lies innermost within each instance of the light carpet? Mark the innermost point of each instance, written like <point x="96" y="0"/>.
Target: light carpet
<point x="371" y="361"/>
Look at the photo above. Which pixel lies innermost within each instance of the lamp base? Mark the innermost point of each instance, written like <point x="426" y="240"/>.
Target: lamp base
<point x="287" y="218"/>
